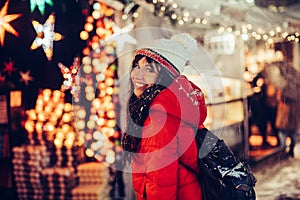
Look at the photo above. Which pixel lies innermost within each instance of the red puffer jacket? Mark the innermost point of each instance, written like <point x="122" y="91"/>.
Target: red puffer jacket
<point x="168" y="135"/>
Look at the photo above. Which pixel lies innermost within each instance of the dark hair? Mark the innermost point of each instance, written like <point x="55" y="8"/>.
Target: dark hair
<point x="131" y="143"/>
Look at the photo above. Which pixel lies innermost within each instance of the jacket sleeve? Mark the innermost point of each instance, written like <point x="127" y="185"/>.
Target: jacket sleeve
<point x="159" y="145"/>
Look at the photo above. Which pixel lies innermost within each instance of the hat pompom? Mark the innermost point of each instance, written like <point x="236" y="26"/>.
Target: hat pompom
<point x="187" y="41"/>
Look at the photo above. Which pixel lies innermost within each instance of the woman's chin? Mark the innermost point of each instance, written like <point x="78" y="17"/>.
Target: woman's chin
<point x="139" y="91"/>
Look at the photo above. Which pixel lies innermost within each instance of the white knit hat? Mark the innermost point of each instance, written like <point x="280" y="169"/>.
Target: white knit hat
<point x="174" y="53"/>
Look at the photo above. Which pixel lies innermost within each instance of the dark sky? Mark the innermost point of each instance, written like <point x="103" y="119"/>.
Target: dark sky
<point x="69" y="22"/>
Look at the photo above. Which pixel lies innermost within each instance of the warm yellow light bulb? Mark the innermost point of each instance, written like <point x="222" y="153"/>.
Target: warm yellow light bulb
<point x="86" y="60"/>
<point x="68" y="107"/>
<point x="81" y="113"/>
<point x="87" y="69"/>
<point x="89" y="152"/>
<point x="84" y="35"/>
<point x="29" y="126"/>
<point x="88" y="27"/>
<point x="66" y="117"/>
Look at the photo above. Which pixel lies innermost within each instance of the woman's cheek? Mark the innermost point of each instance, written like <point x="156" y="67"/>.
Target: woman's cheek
<point x="131" y="75"/>
<point x="151" y="79"/>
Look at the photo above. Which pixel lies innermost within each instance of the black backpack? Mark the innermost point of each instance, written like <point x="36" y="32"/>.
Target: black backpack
<point x="221" y="175"/>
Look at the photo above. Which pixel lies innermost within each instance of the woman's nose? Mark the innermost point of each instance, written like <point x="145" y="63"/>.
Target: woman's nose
<point x="140" y="73"/>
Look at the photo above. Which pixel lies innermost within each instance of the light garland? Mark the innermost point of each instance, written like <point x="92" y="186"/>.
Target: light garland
<point x="95" y="112"/>
<point x="179" y="16"/>
<point x="95" y="117"/>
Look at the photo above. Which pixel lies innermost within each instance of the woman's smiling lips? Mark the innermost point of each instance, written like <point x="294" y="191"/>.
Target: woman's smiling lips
<point x="139" y="84"/>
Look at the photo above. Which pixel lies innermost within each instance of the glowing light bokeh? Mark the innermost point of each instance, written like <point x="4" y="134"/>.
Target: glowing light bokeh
<point x="96" y="115"/>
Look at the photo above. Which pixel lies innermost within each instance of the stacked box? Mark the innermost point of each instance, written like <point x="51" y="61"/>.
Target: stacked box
<point x="93" y="182"/>
<point x="93" y="173"/>
<point x="58" y="183"/>
<point x="28" y="162"/>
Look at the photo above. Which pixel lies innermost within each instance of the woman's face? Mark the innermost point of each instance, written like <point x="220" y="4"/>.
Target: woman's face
<point x="143" y="75"/>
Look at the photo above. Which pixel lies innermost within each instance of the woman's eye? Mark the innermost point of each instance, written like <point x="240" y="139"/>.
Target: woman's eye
<point x="149" y="69"/>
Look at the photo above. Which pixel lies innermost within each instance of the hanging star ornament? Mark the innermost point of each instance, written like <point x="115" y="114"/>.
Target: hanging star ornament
<point x="9" y="67"/>
<point x="4" y="23"/>
<point x="45" y="36"/>
<point x="40" y="4"/>
<point x="71" y="78"/>
<point x="122" y="36"/>
<point x="25" y="77"/>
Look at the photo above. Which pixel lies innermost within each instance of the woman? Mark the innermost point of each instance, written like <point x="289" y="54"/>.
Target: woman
<point x="165" y="109"/>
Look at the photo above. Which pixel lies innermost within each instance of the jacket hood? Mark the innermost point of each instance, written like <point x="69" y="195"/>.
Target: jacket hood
<point x="184" y="100"/>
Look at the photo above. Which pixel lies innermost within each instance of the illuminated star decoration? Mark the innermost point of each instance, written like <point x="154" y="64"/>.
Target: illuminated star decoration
<point x="4" y="23"/>
<point x="25" y="77"/>
<point x="9" y="67"/>
<point x="45" y="36"/>
<point x="40" y="4"/>
<point x="71" y="78"/>
<point x="121" y="35"/>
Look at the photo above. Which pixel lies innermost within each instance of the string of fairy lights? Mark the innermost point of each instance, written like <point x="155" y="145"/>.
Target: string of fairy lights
<point x="96" y="108"/>
<point x="179" y="16"/>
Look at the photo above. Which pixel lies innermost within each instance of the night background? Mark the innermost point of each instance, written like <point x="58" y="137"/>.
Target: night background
<point x="70" y="17"/>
